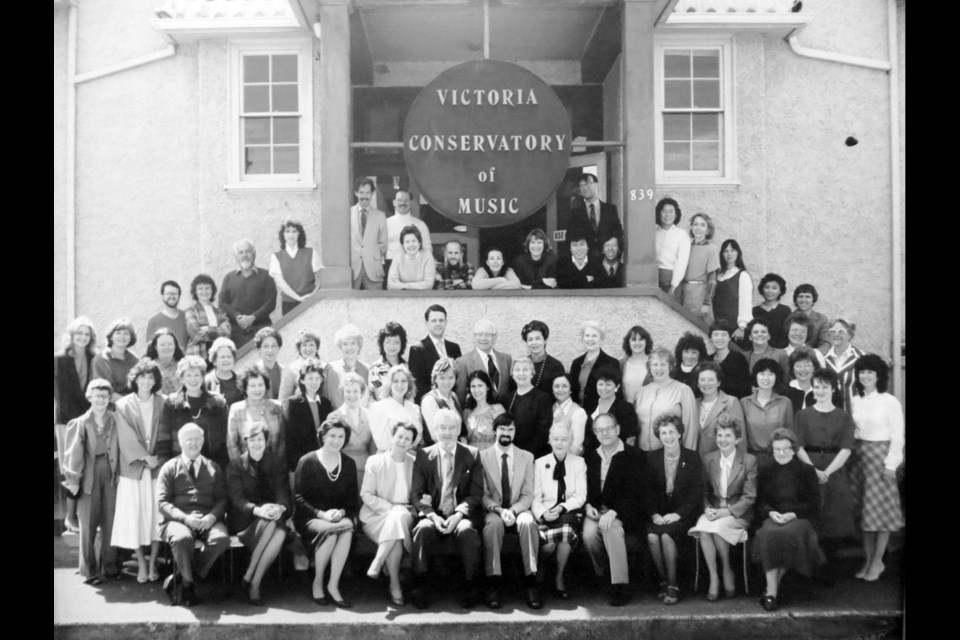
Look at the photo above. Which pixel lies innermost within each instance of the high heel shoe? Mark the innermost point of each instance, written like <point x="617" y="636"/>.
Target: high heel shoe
<point x="397" y="598"/>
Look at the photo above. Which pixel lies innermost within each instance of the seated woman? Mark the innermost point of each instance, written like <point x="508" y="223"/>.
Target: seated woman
<point x="545" y="367"/>
<point x="494" y="274"/>
<point x="256" y="407"/>
<point x="349" y="340"/>
<point x="259" y="504"/>
<point x="712" y="405"/>
<point x="193" y="403"/>
<point x="772" y="287"/>
<point x="798" y="328"/>
<point x="569" y="413"/>
<point x="537" y="266"/>
<point x="268" y="342"/>
<point x="165" y="351"/>
<point x="296" y="267"/>
<point x="307" y="346"/>
<point x="674" y="490"/>
<point x="730" y="489"/>
<point x="415" y="269"/>
<point x="733" y="364"/>
<point x="386" y="513"/>
<point x="443" y="377"/>
<point x="114" y="363"/>
<point x="665" y="395"/>
<point x="759" y="332"/>
<point x="304" y="413"/>
<point x="788" y="502"/>
<point x="353" y="388"/>
<point x="608" y="383"/>
<point x="223" y="379"/>
<point x="391" y="342"/>
<point x="765" y="410"/>
<point x="577" y="271"/>
<point x="636" y="348"/>
<point x="205" y="321"/>
<point x="559" y="493"/>
<point x="397" y="406"/>
<point x="689" y="353"/>
<point x="479" y="411"/>
<point x="326" y="494"/>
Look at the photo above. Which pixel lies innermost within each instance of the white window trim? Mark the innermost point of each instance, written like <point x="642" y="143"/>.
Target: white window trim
<point x="236" y="181"/>
<point x="729" y="178"/>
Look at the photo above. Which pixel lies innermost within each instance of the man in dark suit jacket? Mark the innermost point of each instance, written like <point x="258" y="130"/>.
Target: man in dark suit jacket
<point x="614" y="504"/>
<point x="599" y="219"/>
<point x="485" y="336"/>
<point x="446" y="491"/>
<point x="192" y="498"/>
<point x="610" y="274"/>
<point x="424" y="354"/>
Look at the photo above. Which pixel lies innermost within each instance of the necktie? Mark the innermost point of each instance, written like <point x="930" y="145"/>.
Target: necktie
<point x="493" y="373"/>
<point x="593" y="217"/>
<point x="193" y="471"/>
<point x="363" y="221"/>
<point x="446" y="500"/>
<point x="610" y="271"/>
<point x="504" y="482"/>
<point x="441" y="349"/>
<point x="559" y="474"/>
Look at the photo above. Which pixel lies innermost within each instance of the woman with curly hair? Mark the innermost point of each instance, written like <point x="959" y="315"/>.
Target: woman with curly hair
<point x="165" y="351"/>
<point x="690" y="353"/>
<point x="772" y="287"/>
<point x="256" y="406"/>
<point x="391" y="342"/>
<point x="205" y="321"/>
<point x="296" y="267"/>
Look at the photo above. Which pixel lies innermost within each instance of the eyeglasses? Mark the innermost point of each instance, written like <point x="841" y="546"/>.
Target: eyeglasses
<point x="604" y="430"/>
<point x="837" y="332"/>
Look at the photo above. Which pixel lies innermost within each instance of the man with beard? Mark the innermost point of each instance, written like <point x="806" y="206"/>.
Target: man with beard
<point x="453" y="272"/>
<point x="170" y="316"/>
<point x="508" y="475"/>
<point x="248" y="295"/>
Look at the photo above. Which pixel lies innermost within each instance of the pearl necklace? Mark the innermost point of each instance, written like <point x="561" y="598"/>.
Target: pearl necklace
<point x="538" y="368"/>
<point x="336" y="473"/>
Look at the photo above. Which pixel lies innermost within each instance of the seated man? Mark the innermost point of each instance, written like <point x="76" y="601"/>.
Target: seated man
<point x="248" y="295"/>
<point x="578" y="270"/>
<point x="192" y="498"/>
<point x="446" y="491"/>
<point x="454" y="272"/>
<point x="614" y="500"/>
<point x="507" y="496"/>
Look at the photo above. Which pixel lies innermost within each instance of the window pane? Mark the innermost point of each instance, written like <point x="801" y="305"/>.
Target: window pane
<point x="285" y="97"/>
<point x="706" y="64"/>
<point x="706" y="156"/>
<point x="676" y="94"/>
<point x="676" y="156"/>
<point x="258" y="159"/>
<point x="286" y="130"/>
<point x="286" y="159"/>
<point x="706" y="94"/>
<point x="676" y="63"/>
<point x="676" y="126"/>
<point x="284" y="68"/>
<point x="255" y="68"/>
<point x="256" y="130"/>
<point x="256" y="99"/>
<point x="706" y="126"/>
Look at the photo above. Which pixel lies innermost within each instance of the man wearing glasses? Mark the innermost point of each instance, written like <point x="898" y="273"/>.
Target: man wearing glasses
<point x="497" y="365"/>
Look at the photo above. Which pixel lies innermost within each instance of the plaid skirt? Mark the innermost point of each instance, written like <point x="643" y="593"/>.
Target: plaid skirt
<point x="566" y="528"/>
<point x="876" y="499"/>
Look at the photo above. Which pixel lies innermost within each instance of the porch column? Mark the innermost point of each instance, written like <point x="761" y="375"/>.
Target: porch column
<point x="336" y="195"/>
<point x="639" y="111"/>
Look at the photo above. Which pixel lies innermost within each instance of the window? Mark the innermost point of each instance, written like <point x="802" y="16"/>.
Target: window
<point x="271" y="117"/>
<point x="694" y="128"/>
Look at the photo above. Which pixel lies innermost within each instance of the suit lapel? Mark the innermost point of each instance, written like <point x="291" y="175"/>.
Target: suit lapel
<point x="735" y="469"/>
<point x="517" y="480"/>
<point x="718" y="407"/>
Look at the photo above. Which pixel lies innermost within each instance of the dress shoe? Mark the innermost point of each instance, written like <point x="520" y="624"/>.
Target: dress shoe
<point x="322" y="601"/>
<point x="257" y="602"/>
<point x="561" y="593"/>
<point x="492" y="598"/>
<point x="189" y="595"/>
<point x="419" y="598"/>
<point x="533" y="598"/>
<point x="396" y="597"/>
<point x="619" y="595"/>
<point x="169" y="585"/>
<point x="343" y="604"/>
<point x="769" y="603"/>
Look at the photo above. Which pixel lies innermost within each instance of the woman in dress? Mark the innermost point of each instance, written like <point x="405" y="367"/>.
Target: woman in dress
<point x="878" y="452"/>
<point x="771" y="288"/>
<point x="327" y="497"/>
<point x="223" y="379"/>
<point x="674" y="493"/>
<point x="138" y="428"/>
<point x="415" y="269"/>
<point x="608" y="384"/>
<point x="114" y="363"/>
<point x="636" y="348"/>
<point x="193" y="403"/>
<point x="559" y="493"/>
<point x="733" y="364"/>
<point x="733" y="298"/>
<point x="765" y="410"/>
<point x="479" y="410"/>
<point x="268" y="343"/>
<point x="443" y="377"/>
<point x="256" y="407"/>
<point x="583" y="367"/>
<point x="568" y="412"/>
<point x="759" y="330"/>
<point x="494" y="274"/>
<point x="396" y="406"/>
<point x="545" y="367"/>
<point x="205" y="321"/>
<point x="295" y="268"/>
<point x="537" y="266"/>
<point x="712" y="405"/>
<point x="665" y="395"/>
<point x="349" y="341"/>
<point x="307" y="346"/>
<point x="788" y="502"/>
<point x="700" y="279"/>
<point x="165" y="351"/>
<point x="690" y="351"/>
<point x="259" y="504"/>
<point x="730" y="490"/>
<point x="392" y="342"/>
<point x="304" y="413"/>
<point x="353" y="388"/>
<point x="842" y="357"/>
<point x="386" y="513"/>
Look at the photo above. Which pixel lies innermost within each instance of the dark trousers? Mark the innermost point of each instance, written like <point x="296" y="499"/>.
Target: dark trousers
<point x="96" y="510"/>
<point x="425" y="536"/>
<point x="181" y="539"/>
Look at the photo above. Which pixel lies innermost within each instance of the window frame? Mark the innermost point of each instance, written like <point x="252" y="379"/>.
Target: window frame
<point x="304" y="179"/>
<point x="727" y="176"/>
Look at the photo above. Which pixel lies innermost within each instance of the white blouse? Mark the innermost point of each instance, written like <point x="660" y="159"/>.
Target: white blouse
<point x="879" y="417"/>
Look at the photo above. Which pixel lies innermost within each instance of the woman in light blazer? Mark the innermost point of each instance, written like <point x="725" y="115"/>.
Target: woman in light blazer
<point x="559" y="493"/>
<point x="727" y="509"/>
<point x="386" y="513"/>
<point x="712" y="404"/>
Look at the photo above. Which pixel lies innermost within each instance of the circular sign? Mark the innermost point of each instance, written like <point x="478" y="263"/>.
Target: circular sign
<point x="487" y="142"/>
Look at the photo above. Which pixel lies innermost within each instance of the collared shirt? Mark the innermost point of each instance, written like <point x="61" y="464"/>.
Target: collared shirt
<point x="509" y="451"/>
<point x="580" y="265"/>
<point x="606" y="459"/>
<point x="673" y="251"/>
<point x="485" y="359"/>
<point x="446" y="274"/>
<point x="188" y="463"/>
<point x="879" y="417"/>
<point x="726" y="464"/>
<point x="395" y="225"/>
<point x="440" y="346"/>
<point x="445" y="486"/>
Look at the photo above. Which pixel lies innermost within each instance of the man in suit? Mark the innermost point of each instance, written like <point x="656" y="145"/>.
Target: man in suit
<point x="610" y="270"/>
<point x="424" y="354"/>
<point x="507" y="496"/>
<point x="368" y="238"/>
<point x="192" y="498"/>
<point x="497" y="365"/>
<point x="614" y="504"/>
<point x="446" y="491"/>
<point x="598" y="219"/>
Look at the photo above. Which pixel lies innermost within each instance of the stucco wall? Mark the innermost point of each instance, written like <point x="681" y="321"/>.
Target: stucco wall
<point x="418" y="74"/>
<point x="59" y="172"/>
